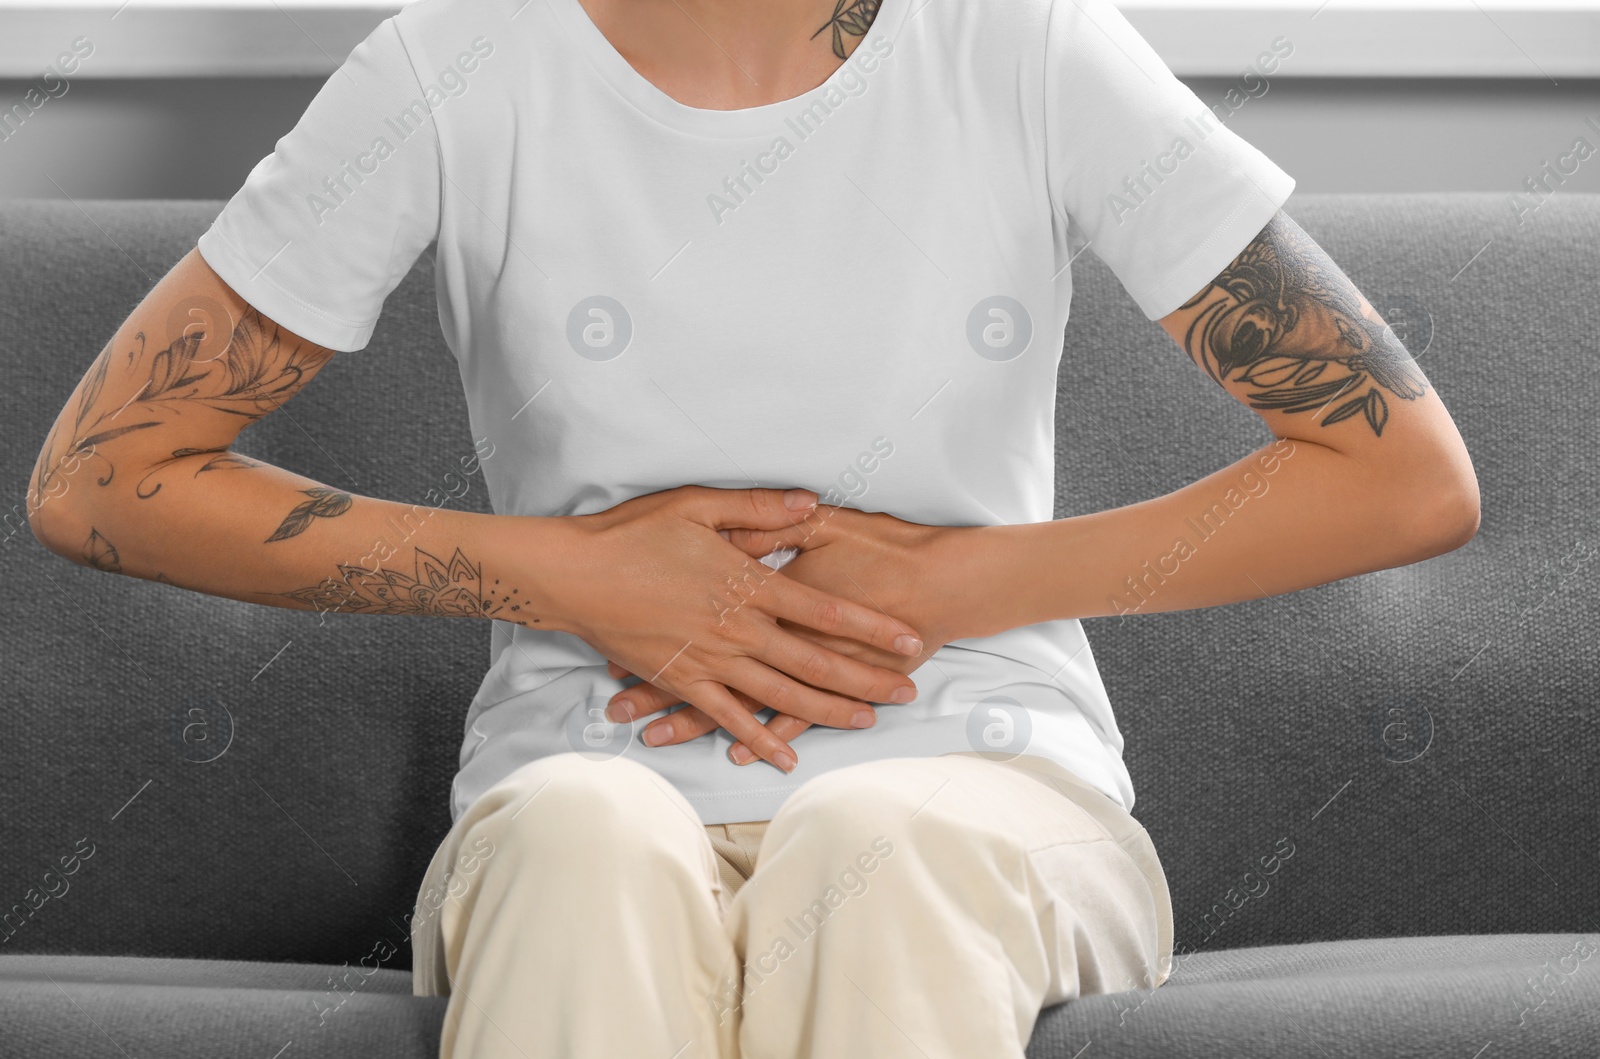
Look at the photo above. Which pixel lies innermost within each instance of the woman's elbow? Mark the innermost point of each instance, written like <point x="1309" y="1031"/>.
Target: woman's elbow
<point x="1454" y="516"/>
<point x="45" y="519"/>
<point x="53" y="516"/>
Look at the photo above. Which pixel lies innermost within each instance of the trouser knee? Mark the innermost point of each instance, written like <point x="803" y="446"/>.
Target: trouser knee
<point x="567" y="810"/>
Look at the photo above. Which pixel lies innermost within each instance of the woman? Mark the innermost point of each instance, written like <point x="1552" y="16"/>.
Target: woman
<point x="691" y="255"/>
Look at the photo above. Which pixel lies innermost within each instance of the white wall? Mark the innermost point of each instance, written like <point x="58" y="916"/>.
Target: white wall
<point x="1378" y="95"/>
<point x="198" y="138"/>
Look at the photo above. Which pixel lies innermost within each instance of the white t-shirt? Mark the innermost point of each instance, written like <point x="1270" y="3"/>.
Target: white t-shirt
<point x="861" y="290"/>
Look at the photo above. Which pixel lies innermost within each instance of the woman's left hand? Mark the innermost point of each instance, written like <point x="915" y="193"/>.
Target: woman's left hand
<point x="927" y="576"/>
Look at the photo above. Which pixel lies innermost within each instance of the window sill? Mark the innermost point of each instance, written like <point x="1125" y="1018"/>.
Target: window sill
<point x="1539" y="39"/>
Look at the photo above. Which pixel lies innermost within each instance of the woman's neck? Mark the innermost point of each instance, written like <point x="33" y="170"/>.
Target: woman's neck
<point x="733" y="54"/>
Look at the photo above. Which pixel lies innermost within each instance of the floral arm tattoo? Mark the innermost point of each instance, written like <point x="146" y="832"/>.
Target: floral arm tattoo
<point x="1284" y="319"/>
<point x="254" y="374"/>
<point x="258" y="368"/>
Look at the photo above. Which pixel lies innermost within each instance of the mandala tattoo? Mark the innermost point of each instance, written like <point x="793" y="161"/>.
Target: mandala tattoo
<point x="849" y="16"/>
<point x="1283" y="318"/>
<point x="451" y="589"/>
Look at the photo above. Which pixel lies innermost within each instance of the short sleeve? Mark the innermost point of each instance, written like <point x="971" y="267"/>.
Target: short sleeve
<point x="1145" y="174"/>
<point x="330" y="222"/>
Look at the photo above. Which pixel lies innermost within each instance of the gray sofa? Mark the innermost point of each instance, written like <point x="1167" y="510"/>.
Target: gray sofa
<point x="1375" y="800"/>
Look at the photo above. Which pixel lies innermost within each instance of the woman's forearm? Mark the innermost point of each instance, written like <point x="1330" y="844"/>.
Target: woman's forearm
<point x="227" y="525"/>
<point x="138" y="476"/>
<point x="1291" y="515"/>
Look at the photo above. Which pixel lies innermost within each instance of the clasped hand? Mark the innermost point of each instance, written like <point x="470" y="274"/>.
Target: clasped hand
<point x="868" y="560"/>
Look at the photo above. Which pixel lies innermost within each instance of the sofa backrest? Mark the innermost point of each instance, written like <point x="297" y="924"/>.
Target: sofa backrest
<point x="1407" y="752"/>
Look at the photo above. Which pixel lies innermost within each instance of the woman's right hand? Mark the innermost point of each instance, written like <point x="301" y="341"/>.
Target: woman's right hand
<point x="652" y="585"/>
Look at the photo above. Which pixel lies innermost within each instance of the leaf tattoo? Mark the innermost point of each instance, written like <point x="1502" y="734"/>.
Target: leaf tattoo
<point x="849" y="16"/>
<point x="324" y="503"/>
<point x="101" y="553"/>
<point x="1280" y="315"/>
<point x="227" y="459"/>
<point x="95" y="381"/>
<point x="259" y="370"/>
<point x="170" y="368"/>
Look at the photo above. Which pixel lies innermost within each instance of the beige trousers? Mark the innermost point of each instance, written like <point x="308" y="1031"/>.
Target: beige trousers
<point x="918" y="907"/>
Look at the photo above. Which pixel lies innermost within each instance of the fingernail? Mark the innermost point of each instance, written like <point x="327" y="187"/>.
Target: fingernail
<point x="617" y="712"/>
<point x="741" y="755"/>
<point x="903" y="694"/>
<point x="863" y="719"/>
<point x="654" y="736"/>
<point x="798" y="499"/>
<point x="907" y="645"/>
<point x="784" y="760"/>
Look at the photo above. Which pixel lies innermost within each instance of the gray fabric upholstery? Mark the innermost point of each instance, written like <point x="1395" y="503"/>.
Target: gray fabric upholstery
<point x="1251" y="728"/>
<point x="1398" y="998"/>
<point x="56" y="1007"/>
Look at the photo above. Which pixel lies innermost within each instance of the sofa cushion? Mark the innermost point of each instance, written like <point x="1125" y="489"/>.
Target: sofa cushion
<point x="90" y="1006"/>
<point x="1532" y="995"/>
